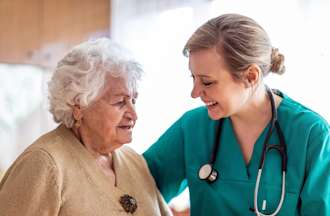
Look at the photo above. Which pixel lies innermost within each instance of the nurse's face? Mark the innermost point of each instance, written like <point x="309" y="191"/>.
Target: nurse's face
<point x="213" y="83"/>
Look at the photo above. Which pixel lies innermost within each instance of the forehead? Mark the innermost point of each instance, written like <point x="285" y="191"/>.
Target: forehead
<point x="119" y="86"/>
<point x="206" y="61"/>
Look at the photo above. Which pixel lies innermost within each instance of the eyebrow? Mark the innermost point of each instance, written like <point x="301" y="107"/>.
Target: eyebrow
<point x="202" y="75"/>
<point x="125" y="95"/>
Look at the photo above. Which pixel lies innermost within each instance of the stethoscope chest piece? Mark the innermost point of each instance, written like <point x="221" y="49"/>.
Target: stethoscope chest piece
<point x="208" y="173"/>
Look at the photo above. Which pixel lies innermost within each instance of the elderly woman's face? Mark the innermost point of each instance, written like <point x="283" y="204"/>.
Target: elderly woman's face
<point x="111" y="118"/>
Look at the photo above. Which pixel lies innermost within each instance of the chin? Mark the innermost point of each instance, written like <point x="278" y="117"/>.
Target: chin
<point x="126" y="141"/>
<point x="215" y="116"/>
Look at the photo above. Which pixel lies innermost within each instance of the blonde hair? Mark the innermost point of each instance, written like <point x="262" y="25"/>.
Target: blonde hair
<point x="240" y="40"/>
<point x="81" y="74"/>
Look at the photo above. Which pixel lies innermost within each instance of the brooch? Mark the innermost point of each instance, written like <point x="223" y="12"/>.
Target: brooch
<point x="128" y="203"/>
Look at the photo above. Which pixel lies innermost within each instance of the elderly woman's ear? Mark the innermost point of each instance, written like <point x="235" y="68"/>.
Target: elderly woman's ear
<point x="77" y="115"/>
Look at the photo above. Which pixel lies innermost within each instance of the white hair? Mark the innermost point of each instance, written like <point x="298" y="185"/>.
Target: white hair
<point x="81" y="74"/>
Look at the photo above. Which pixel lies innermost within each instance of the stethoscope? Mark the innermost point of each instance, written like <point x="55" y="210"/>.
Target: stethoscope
<point x="208" y="173"/>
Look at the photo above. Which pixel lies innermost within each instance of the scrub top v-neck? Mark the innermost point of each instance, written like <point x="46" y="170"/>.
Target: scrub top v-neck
<point x="175" y="159"/>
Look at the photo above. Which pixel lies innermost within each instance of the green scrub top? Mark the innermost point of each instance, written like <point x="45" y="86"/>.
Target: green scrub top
<point x="174" y="161"/>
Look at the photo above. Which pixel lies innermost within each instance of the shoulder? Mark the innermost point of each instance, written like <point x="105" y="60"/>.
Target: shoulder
<point x="40" y="153"/>
<point x="34" y="166"/>
<point x="39" y="157"/>
<point x="127" y="152"/>
<point x="34" y="159"/>
<point x="128" y="155"/>
<point x="300" y="117"/>
<point x="49" y="141"/>
<point x="133" y="160"/>
<point x="54" y="147"/>
<point x="303" y="128"/>
<point x="134" y="163"/>
<point x="196" y="113"/>
<point x="193" y="117"/>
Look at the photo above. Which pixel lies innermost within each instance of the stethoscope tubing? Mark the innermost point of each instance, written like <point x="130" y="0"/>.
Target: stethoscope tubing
<point x="256" y="190"/>
<point x="208" y="173"/>
<point x="282" y="151"/>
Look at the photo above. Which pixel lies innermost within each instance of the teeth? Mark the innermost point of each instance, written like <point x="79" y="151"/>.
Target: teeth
<point x="127" y="127"/>
<point x="210" y="103"/>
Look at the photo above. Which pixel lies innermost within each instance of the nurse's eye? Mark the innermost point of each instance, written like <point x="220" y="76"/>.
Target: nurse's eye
<point x="192" y="76"/>
<point x="207" y="83"/>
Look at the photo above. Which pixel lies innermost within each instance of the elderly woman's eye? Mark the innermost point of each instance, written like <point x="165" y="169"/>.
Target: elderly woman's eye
<point x="120" y="103"/>
<point x="133" y="100"/>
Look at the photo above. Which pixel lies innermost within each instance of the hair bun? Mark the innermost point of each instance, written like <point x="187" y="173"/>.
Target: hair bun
<point x="277" y="62"/>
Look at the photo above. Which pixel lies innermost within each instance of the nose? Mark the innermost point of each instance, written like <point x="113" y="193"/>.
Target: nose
<point x="196" y="91"/>
<point x="131" y="112"/>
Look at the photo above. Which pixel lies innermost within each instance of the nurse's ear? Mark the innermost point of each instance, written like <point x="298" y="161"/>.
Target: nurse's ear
<point x="252" y="75"/>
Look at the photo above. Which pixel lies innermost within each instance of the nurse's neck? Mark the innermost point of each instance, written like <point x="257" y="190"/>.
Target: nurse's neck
<point x="257" y="109"/>
<point x="251" y="120"/>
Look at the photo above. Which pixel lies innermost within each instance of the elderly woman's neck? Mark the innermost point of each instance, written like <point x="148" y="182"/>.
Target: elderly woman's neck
<point x="105" y="160"/>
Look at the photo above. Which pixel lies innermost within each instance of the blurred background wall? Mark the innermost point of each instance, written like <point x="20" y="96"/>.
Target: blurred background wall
<point x="36" y="33"/>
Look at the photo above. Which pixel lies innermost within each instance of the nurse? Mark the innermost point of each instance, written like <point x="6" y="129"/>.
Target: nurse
<point x="229" y="56"/>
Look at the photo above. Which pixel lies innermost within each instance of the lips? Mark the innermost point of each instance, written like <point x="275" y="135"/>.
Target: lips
<point x="210" y="103"/>
<point x="126" y="126"/>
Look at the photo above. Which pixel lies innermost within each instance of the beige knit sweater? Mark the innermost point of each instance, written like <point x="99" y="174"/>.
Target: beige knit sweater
<point x="57" y="176"/>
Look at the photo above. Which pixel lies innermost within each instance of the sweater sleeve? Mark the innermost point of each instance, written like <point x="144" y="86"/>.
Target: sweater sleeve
<point x="31" y="187"/>
<point x="315" y="195"/>
<point x="163" y="207"/>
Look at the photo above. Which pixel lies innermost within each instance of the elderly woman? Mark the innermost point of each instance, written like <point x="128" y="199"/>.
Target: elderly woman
<point x="81" y="167"/>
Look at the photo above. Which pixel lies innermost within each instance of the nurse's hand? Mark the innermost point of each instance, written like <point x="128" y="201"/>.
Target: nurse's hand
<point x="185" y="212"/>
